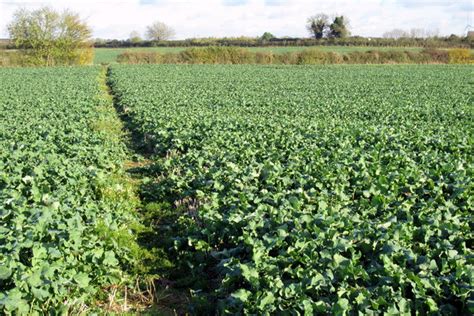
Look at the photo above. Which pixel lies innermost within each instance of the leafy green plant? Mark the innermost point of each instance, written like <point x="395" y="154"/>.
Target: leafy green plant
<point x="317" y="190"/>
<point x="66" y="208"/>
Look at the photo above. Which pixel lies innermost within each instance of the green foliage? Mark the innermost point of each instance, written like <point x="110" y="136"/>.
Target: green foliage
<point x="291" y="42"/>
<point x="10" y="58"/>
<point x="49" y="38"/>
<point x="309" y="56"/>
<point x="65" y="207"/>
<point x="129" y="57"/>
<point x="320" y="27"/>
<point x="318" y="190"/>
<point x="215" y="55"/>
<point x="435" y="55"/>
<point x="135" y="37"/>
<point x="267" y="36"/>
<point x="314" y="56"/>
<point x="339" y="27"/>
<point x="109" y="55"/>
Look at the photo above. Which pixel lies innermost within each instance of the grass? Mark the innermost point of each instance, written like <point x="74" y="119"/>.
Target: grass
<point x="109" y="55"/>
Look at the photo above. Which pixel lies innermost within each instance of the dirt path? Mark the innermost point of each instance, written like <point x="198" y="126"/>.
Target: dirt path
<point x="156" y="291"/>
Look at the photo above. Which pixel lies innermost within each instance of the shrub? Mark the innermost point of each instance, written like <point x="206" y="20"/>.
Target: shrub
<point x="372" y="57"/>
<point x="335" y="58"/>
<point x="85" y="56"/>
<point x="140" y="58"/>
<point x="313" y="56"/>
<point x="264" y="58"/>
<point x="289" y="58"/>
<point x="357" y="57"/>
<point x="10" y="58"/>
<point x="436" y="55"/>
<point x="170" y="58"/>
<point x="396" y="57"/>
<point x="460" y="56"/>
<point x="417" y="58"/>
<point x="234" y="55"/>
<point x="393" y="57"/>
<point x="215" y="55"/>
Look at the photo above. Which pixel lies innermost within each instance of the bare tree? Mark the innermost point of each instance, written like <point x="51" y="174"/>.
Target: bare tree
<point x="413" y="33"/>
<point x="395" y="33"/>
<point x="318" y="25"/>
<point x="417" y="33"/>
<point x="432" y="33"/>
<point x="159" y="31"/>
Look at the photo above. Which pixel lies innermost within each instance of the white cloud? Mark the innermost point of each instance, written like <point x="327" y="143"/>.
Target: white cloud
<point x="199" y="18"/>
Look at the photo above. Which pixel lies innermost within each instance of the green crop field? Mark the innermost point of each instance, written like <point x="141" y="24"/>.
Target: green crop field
<point x="60" y="196"/>
<point x="311" y="189"/>
<point x="237" y="189"/>
<point x="109" y="55"/>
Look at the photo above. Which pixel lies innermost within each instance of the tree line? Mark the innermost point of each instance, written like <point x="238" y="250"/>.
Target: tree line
<point x="261" y="41"/>
<point x="319" y="26"/>
<point x="48" y="37"/>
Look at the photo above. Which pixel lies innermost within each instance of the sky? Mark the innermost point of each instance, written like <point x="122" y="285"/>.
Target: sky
<point x="219" y="18"/>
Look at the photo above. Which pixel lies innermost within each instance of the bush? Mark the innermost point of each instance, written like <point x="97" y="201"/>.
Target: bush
<point x="289" y="58"/>
<point x="335" y="58"/>
<point x="215" y="55"/>
<point x="234" y="55"/>
<point x="265" y="58"/>
<point x="436" y="55"/>
<point x="85" y="56"/>
<point x="417" y="58"/>
<point x="170" y="58"/>
<point x="10" y="58"/>
<point x="460" y="56"/>
<point x="313" y="57"/>
<point x="394" y="57"/>
<point x="140" y="58"/>
<point x="369" y="57"/>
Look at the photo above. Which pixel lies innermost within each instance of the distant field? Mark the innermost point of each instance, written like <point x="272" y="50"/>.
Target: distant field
<point x="109" y="55"/>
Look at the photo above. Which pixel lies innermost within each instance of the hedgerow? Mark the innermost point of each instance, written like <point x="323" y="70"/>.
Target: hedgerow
<point x="238" y="55"/>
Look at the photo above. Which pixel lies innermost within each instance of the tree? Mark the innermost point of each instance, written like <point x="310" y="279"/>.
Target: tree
<point x="47" y="37"/>
<point x="317" y="25"/>
<point x="159" y="31"/>
<point x="432" y="33"/>
<point x="267" y="36"/>
<point x="339" y="28"/>
<point x="135" y="37"/>
<point x="395" y="34"/>
<point x="417" y="33"/>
